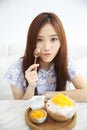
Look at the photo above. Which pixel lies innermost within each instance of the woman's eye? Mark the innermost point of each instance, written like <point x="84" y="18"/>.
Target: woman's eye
<point x="39" y="40"/>
<point x="54" y="39"/>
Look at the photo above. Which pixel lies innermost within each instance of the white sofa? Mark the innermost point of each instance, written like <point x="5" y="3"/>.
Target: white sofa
<point x="5" y="90"/>
<point x="5" y="62"/>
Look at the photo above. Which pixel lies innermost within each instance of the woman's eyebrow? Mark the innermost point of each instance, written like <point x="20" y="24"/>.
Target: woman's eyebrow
<point x="51" y="35"/>
<point x="40" y="36"/>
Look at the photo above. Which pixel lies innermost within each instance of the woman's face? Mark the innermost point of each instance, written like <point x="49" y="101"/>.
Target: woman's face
<point x="48" y="43"/>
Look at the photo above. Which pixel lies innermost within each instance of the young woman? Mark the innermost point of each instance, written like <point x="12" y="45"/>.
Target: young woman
<point x="54" y="66"/>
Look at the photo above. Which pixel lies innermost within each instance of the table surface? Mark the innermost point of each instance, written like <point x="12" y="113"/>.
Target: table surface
<point x="12" y="115"/>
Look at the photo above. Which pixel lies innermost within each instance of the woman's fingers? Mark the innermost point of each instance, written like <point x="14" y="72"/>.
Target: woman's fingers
<point x="31" y="74"/>
<point x="32" y="67"/>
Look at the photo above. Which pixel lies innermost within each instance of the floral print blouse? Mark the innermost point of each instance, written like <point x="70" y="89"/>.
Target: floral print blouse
<point x="46" y="80"/>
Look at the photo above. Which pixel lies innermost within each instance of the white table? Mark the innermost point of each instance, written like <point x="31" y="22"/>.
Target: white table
<point x="12" y="115"/>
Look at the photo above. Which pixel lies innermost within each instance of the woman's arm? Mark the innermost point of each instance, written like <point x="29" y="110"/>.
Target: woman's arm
<point x="32" y="77"/>
<point x="79" y="94"/>
<point x="20" y="94"/>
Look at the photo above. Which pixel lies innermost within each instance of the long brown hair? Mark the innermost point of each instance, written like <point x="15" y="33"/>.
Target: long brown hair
<point x="60" y="61"/>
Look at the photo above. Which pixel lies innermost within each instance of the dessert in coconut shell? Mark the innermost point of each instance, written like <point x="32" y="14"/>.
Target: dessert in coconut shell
<point x="61" y="107"/>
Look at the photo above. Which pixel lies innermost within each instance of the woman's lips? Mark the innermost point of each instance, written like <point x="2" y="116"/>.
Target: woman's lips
<point x="47" y="54"/>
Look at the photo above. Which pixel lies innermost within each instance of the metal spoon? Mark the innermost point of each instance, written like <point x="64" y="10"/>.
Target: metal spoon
<point x="36" y="55"/>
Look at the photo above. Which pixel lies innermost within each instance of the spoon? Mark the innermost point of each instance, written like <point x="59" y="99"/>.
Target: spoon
<point x="36" y="55"/>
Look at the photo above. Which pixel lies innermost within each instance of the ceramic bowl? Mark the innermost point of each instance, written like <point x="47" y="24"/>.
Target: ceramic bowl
<point x="38" y="116"/>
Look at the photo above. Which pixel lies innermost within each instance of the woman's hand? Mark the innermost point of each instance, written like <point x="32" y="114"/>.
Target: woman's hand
<point x="31" y="75"/>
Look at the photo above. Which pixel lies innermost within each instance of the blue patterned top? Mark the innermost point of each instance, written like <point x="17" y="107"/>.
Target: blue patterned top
<point x="15" y="76"/>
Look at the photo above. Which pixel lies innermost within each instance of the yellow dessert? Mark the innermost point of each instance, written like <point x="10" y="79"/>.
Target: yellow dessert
<point x="62" y="100"/>
<point x="38" y="114"/>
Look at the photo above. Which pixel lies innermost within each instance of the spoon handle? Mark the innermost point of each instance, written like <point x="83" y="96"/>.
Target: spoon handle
<point x="35" y="60"/>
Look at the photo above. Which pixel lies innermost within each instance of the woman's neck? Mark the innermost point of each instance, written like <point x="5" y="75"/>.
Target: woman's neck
<point x="45" y="66"/>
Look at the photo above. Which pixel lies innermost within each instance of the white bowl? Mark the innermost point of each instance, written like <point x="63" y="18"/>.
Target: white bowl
<point x="37" y="102"/>
<point x="38" y="120"/>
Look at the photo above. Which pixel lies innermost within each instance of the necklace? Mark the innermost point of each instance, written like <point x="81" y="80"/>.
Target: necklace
<point x="48" y="79"/>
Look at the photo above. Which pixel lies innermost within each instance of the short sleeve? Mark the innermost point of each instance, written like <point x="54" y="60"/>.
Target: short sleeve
<point x="73" y="68"/>
<point x="15" y="75"/>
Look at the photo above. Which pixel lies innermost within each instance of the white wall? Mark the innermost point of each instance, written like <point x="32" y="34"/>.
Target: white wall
<point x="16" y="15"/>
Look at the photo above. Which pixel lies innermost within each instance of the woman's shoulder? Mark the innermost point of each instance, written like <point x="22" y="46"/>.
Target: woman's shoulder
<point x="15" y="75"/>
<point x="72" y="61"/>
<point x="17" y="62"/>
<point x="73" y="68"/>
<point x="16" y="67"/>
<point x="71" y="58"/>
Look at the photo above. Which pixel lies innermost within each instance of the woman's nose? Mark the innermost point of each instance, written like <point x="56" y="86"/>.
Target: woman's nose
<point x="47" y="47"/>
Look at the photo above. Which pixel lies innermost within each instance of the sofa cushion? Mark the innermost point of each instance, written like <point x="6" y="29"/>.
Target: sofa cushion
<point x="5" y="89"/>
